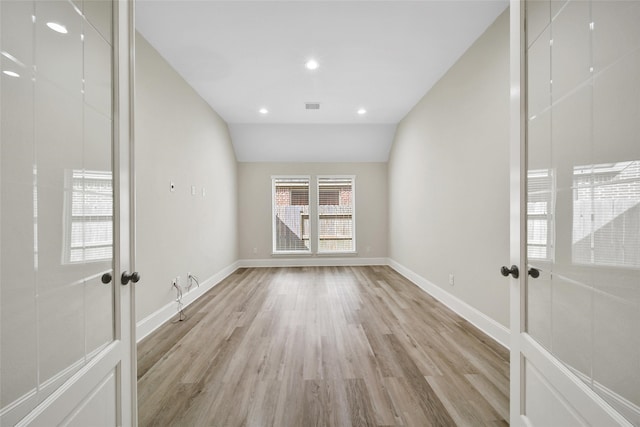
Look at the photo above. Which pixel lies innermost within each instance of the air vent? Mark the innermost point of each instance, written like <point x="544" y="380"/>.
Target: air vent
<point x="312" y="105"/>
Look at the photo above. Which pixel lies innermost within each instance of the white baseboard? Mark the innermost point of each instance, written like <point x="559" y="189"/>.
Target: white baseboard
<point x="483" y="322"/>
<point x="323" y="261"/>
<point x="153" y="321"/>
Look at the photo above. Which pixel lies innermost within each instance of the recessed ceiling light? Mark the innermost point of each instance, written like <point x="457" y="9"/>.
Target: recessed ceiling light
<point x="11" y="73"/>
<point x="263" y="111"/>
<point x="58" y="28"/>
<point x="312" y="64"/>
<point x="362" y="111"/>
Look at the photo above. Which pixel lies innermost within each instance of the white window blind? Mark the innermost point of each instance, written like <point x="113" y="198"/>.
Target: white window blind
<point x="606" y="214"/>
<point x="88" y="216"/>
<point x="540" y="190"/>
<point x="291" y="231"/>
<point x="336" y="228"/>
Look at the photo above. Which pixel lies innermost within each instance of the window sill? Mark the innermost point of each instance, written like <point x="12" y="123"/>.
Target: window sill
<point x="297" y="254"/>
<point x="337" y="253"/>
<point x="292" y="253"/>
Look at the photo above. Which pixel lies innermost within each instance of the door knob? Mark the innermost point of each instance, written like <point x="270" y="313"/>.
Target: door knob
<point x="106" y="278"/>
<point x="133" y="277"/>
<point x="534" y="272"/>
<point x="513" y="271"/>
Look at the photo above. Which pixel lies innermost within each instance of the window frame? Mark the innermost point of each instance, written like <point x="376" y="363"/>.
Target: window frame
<point x="274" y="250"/>
<point x="353" y="251"/>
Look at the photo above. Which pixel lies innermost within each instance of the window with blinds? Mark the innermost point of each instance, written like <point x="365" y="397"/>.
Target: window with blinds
<point x="88" y="216"/>
<point x="540" y="209"/>
<point x="335" y="211"/>
<point x="291" y="232"/>
<point x="606" y="214"/>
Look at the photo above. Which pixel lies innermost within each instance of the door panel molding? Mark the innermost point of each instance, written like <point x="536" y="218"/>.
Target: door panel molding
<point x="573" y="391"/>
<point x="55" y="408"/>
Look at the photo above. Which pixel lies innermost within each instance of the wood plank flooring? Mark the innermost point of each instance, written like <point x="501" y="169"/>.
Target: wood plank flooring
<point x="321" y="346"/>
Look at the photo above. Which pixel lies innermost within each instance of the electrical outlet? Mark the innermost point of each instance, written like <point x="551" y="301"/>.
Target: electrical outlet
<point x="451" y="279"/>
<point x="368" y="249"/>
<point x="255" y="250"/>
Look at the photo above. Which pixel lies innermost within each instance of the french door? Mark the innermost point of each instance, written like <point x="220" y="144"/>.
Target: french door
<point x="67" y="341"/>
<point x="575" y="213"/>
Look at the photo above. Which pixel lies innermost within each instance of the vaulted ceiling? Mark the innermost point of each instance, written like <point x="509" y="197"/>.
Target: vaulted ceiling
<point x="380" y="56"/>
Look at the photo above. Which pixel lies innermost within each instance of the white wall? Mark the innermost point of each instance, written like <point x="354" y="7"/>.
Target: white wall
<point x="449" y="178"/>
<point x="312" y="142"/>
<point x="179" y="138"/>
<point x="254" y="208"/>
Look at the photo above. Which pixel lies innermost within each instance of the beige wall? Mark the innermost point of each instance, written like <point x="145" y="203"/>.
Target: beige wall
<point x="179" y="138"/>
<point x="254" y="209"/>
<point x="449" y="178"/>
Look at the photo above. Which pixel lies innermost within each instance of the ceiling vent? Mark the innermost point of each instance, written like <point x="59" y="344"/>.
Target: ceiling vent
<point x="312" y="105"/>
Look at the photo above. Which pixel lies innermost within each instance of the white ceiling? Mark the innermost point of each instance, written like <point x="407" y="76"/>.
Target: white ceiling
<point x="241" y="56"/>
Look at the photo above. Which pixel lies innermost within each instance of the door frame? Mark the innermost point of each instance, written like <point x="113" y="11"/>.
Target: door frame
<point x="517" y="207"/>
<point x="124" y="229"/>
<point x="583" y="403"/>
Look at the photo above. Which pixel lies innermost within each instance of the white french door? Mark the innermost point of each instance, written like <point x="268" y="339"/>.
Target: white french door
<point x="575" y="213"/>
<point x="67" y="343"/>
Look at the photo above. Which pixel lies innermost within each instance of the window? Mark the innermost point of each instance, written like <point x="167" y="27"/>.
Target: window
<point x="336" y="228"/>
<point x="88" y="216"/>
<point x="331" y="207"/>
<point x="606" y="214"/>
<point x="300" y="197"/>
<point x="291" y="215"/>
<point x="540" y="190"/>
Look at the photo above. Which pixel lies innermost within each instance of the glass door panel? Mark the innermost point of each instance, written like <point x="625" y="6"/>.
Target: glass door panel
<point x="57" y="193"/>
<point x="583" y="210"/>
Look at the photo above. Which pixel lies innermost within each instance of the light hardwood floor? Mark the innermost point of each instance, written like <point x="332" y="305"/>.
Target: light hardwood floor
<point x="321" y="346"/>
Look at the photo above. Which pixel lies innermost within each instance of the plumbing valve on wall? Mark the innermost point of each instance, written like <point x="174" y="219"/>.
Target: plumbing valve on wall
<point x="180" y="290"/>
